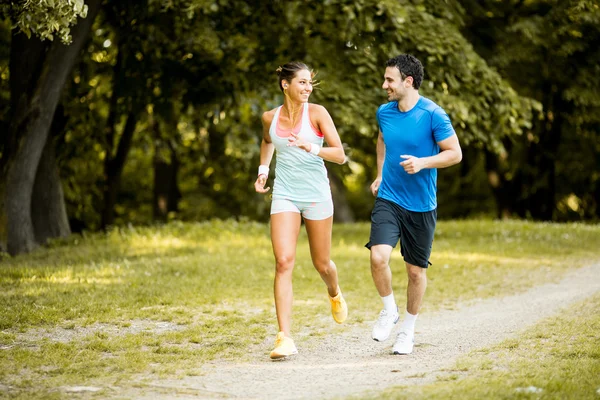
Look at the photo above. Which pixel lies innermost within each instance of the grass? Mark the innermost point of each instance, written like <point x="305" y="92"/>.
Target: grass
<point x="558" y="358"/>
<point x="160" y="301"/>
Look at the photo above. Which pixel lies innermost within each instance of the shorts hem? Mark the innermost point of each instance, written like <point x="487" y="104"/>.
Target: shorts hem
<point x="283" y="211"/>
<point x="371" y="244"/>
<point x="318" y="219"/>
<point x="418" y="264"/>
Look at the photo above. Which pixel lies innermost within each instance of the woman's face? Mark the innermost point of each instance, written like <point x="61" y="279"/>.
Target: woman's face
<point x="300" y="88"/>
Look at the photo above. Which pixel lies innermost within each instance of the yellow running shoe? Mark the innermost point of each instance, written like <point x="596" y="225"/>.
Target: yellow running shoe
<point x="284" y="347"/>
<point x="339" y="308"/>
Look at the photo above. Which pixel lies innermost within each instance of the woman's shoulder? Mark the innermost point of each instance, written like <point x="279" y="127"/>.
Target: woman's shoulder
<point x="267" y="116"/>
<point x="317" y="109"/>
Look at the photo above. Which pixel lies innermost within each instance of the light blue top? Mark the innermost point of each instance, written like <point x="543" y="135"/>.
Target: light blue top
<point x="299" y="175"/>
<point x="416" y="133"/>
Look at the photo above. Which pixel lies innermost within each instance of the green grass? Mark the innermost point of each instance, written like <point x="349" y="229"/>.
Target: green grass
<point x="559" y="358"/>
<point x="211" y="285"/>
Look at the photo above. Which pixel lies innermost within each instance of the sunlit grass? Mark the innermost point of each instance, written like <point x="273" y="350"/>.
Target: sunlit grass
<point x="213" y="281"/>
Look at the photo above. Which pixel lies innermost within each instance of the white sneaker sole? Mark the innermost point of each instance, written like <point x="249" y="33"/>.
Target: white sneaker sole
<point x="380" y="339"/>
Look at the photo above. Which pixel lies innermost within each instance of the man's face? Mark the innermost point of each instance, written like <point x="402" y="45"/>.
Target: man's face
<point x="395" y="86"/>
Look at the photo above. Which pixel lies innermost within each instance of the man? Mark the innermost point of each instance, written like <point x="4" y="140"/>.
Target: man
<point x="415" y="138"/>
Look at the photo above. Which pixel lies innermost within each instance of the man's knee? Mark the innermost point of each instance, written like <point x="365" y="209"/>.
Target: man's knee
<point x="416" y="273"/>
<point x="379" y="260"/>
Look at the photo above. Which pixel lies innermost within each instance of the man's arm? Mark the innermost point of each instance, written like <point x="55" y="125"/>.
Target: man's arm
<point x="450" y="154"/>
<point x="380" y="160"/>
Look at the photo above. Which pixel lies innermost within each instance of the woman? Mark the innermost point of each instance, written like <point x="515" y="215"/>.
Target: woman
<point x="301" y="190"/>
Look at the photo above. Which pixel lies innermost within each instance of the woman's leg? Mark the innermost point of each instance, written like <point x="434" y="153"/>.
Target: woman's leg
<point x="319" y="239"/>
<point x="285" y="227"/>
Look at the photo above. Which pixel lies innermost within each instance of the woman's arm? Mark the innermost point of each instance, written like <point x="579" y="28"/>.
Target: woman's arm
<point x="266" y="154"/>
<point x="321" y="120"/>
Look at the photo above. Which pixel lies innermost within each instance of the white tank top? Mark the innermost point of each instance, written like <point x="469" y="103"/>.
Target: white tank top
<point x="299" y="175"/>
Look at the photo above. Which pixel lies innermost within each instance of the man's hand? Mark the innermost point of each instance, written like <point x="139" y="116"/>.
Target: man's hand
<point x="259" y="185"/>
<point x="412" y="164"/>
<point x="375" y="186"/>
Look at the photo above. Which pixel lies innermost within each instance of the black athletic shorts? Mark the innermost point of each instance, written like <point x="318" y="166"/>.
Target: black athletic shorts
<point x="390" y="223"/>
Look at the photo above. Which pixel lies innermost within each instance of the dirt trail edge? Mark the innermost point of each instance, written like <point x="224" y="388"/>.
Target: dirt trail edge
<point x="350" y="364"/>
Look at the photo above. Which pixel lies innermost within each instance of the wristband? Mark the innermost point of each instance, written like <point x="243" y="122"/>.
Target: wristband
<point x="315" y="149"/>
<point x="263" y="170"/>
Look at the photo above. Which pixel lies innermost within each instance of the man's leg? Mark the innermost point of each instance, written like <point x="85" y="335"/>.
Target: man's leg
<point x="417" y="239"/>
<point x="380" y="268"/>
<point x="382" y="277"/>
<point x="417" y="283"/>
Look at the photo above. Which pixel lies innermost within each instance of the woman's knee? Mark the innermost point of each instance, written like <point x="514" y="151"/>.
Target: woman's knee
<point x="284" y="263"/>
<point x="324" y="266"/>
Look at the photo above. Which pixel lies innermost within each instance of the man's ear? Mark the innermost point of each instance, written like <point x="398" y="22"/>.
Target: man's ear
<point x="409" y="80"/>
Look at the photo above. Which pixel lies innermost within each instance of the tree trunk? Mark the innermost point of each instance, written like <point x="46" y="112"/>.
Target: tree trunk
<point x="343" y="212"/>
<point x="48" y="210"/>
<point x="166" y="191"/>
<point x="166" y="168"/>
<point x="114" y="169"/>
<point x="43" y="77"/>
<point x="542" y="158"/>
<point x="507" y="193"/>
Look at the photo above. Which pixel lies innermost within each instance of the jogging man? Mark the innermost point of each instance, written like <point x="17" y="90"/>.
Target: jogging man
<point x="415" y="138"/>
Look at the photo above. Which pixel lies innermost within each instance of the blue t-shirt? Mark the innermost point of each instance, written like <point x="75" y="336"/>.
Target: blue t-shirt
<point x="416" y="133"/>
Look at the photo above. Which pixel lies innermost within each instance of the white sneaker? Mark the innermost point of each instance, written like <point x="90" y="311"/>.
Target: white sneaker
<point x="384" y="325"/>
<point x="404" y="342"/>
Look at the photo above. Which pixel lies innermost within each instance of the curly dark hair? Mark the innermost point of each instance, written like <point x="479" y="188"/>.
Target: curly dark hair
<point x="289" y="70"/>
<point x="408" y="65"/>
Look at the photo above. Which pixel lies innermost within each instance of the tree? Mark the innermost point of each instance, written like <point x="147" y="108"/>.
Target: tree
<point x="209" y="74"/>
<point x="172" y="91"/>
<point x="547" y="50"/>
<point x="38" y="70"/>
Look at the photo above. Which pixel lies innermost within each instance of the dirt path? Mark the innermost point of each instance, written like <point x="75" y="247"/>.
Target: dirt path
<point x="352" y="363"/>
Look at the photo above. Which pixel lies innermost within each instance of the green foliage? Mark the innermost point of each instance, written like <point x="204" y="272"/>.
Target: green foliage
<point x="45" y="18"/>
<point x="199" y="74"/>
<point x="547" y="50"/>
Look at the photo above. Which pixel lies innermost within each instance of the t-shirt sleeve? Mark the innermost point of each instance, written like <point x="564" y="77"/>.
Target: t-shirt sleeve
<point x="377" y="116"/>
<point x="441" y="125"/>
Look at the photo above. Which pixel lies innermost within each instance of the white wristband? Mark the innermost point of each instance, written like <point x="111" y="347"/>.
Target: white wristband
<point x="315" y="149"/>
<point x="263" y="170"/>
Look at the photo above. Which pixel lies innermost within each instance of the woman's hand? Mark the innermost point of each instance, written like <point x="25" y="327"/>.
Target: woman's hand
<point x="259" y="185"/>
<point x="295" y="140"/>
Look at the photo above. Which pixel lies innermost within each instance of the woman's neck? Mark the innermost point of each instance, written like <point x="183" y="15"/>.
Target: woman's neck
<point x="291" y="108"/>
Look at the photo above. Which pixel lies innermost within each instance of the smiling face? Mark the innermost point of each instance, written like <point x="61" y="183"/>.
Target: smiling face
<point x="300" y="88"/>
<point x="396" y="87"/>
